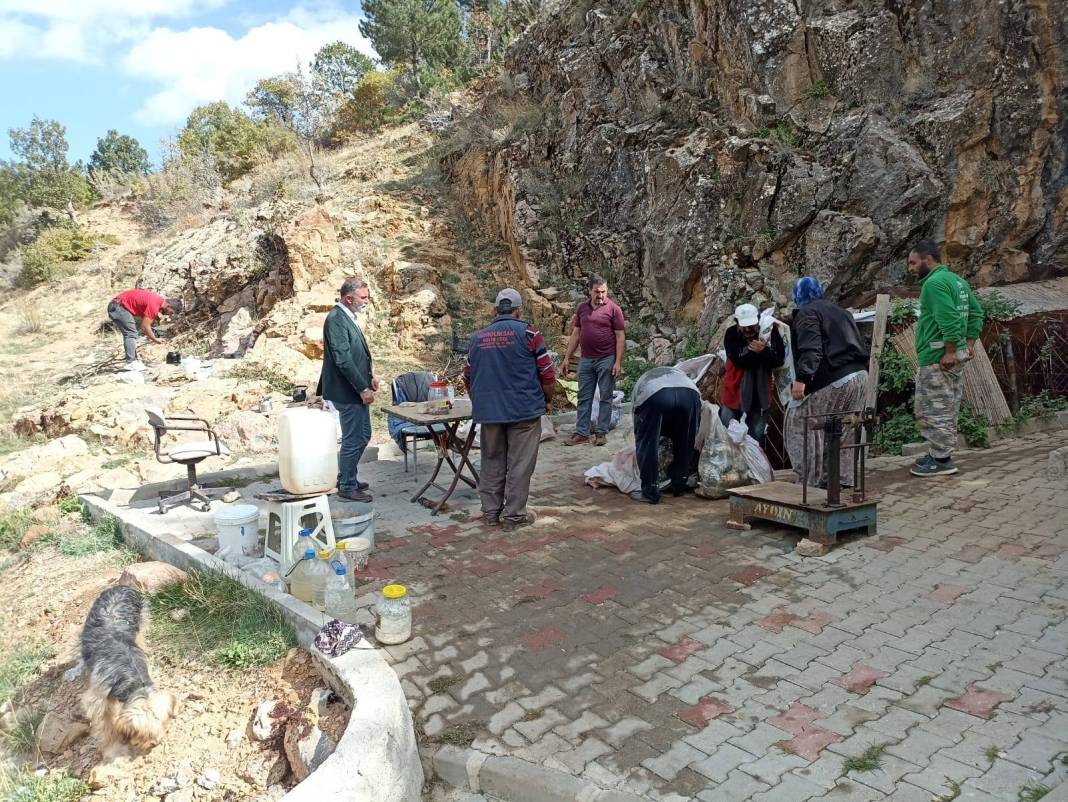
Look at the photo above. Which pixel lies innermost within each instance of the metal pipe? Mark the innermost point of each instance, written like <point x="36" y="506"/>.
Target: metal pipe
<point x="833" y="456"/>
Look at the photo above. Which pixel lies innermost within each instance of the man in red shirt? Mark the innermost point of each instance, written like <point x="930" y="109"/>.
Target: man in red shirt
<point x="145" y="306"/>
<point x="598" y="327"/>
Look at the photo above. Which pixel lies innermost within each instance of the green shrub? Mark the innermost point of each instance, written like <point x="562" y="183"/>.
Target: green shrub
<point x="55" y="786"/>
<point x="903" y="311"/>
<point x="818" y="89"/>
<point x="16" y="669"/>
<point x="896" y="374"/>
<point x="70" y="504"/>
<point x="13" y="525"/>
<point x="104" y="536"/>
<point x="973" y="427"/>
<point x="1040" y="407"/>
<point x="253" y="371"/>
<point x="224" y="620"/>
<point x="997" y="307"/>
<point x="897" y="429"/>
<point x="53" y="254"/>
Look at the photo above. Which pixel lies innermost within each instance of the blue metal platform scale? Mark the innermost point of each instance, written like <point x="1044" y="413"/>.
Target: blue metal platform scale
<point x="821" y="512"/>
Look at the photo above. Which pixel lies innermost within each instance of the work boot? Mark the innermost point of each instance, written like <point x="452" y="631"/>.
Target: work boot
<point x="491" y="519"/>
<point x="510" y="524"/>
<point x="576" y="440"/>
<point x="638" y="495"/>
<point x="932" y="466"/>
<point x="600" y="439"/>
<point x="356" y="495"/>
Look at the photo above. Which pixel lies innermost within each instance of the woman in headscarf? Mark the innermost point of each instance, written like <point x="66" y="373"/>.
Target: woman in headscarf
<point x="831" y="366"/>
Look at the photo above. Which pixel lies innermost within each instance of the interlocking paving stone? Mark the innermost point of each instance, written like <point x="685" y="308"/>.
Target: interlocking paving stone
<point x="598" y="630"/>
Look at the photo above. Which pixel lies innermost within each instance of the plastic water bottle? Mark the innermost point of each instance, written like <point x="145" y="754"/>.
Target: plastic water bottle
<point x="304" y="542"/>
<point x="341" y="557"/>
<point x="320" y="575"/>
<point x="340" y="603"/>
<point x="300" y="584"/>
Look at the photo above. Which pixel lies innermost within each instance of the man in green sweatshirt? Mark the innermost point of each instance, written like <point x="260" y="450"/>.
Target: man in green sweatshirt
<point x="950" y="321"/>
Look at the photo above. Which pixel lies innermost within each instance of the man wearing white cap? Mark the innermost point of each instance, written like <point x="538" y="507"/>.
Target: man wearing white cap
<point x="511" y="379"/>
<point x="747" y="379"/>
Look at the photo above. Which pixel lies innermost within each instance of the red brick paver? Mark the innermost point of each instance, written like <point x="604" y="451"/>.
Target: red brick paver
<point x="946" y="593"/>
<point x="860" y="679"/>
<point x="704" y="711"/>
<point x="809" y="743"/>
<point x="681" y="650"/>
<point x="796" y="719"/>
<point x="978" y="701"/>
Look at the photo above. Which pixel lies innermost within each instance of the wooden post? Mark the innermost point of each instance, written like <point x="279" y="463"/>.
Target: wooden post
<point x="878" y="340"/>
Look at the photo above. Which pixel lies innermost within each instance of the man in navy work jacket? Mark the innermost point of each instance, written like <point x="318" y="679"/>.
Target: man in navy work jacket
<point x="511" y="379"/>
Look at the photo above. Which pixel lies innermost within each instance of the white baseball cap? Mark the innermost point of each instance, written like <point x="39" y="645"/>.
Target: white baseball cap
<point x="747" y="315"/>
<point x="509" y="296"/>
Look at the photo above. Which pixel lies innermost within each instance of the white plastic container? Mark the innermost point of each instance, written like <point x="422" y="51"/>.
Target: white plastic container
<point x="307" y="451"/>
<point x="238" y="530"/>
<point x="393" y="615"/>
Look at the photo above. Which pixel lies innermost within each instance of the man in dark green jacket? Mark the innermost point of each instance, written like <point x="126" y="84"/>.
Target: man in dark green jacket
<point x="348" y="382"/>
<point x="950" y="321"/>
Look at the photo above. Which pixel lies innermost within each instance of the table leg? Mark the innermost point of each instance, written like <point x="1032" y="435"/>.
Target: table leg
<point x="442" y="452"/>
<point x="457" y="474"/>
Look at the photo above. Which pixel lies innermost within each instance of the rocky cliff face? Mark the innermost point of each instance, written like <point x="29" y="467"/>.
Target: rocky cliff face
<point x="701" y="152"/>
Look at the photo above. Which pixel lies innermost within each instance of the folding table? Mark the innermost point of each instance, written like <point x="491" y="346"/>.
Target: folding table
<point x="448" y="443"/>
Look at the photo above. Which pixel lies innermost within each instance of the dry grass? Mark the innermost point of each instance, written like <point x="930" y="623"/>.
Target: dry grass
<point x="31" y="319"/>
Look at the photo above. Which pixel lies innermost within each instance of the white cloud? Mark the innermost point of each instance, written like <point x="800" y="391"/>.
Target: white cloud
<point x="202" y="65"/>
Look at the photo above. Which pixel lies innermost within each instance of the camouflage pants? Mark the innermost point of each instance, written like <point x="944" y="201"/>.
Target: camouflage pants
<point x="938" y="394"/>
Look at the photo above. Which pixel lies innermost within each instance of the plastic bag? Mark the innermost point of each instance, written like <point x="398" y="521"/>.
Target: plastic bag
<point x="621" y="472"/>
<point x="722" y="465"/>
<point x="266" y="570"/>
<point x="548" y="431"/>
<point x="737" y="431"/>
<point x="617" y="408"/>
<point x="783" y="375"/>
<point x="760" y="470"/>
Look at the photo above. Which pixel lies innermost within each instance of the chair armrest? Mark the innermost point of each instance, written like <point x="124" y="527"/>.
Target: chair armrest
<point x="199" y="420"/>
<point x="185" y="429"/>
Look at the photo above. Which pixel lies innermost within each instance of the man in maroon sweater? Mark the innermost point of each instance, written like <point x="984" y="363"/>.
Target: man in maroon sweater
<point x="598" y="328"/>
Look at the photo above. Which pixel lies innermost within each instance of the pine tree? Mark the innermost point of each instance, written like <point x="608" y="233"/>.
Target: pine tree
<point x="423" y="34"/>
<point x="339" y="67"/>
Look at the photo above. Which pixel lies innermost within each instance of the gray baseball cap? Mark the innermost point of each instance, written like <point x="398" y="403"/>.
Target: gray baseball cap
<point x="510" y="297"/>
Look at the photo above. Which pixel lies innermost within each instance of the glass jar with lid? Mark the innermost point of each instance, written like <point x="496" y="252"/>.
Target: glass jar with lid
<point x="393" y="615"/>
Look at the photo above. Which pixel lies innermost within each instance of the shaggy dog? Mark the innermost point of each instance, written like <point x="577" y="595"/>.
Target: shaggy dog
<point x="122" y="706"/>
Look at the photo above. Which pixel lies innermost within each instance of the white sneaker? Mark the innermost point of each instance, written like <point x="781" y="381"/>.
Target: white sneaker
<point x="137" y="364"/>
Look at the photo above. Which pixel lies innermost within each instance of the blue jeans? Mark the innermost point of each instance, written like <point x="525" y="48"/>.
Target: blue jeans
<point x="595" y="373"/>
<point x="355" y="435"/>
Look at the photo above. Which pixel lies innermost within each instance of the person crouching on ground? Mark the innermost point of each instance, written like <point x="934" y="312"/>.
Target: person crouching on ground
<point x="666" y="404"/>
<point x="598" y="331"/>
<point x="145" y="306"/>
<point x="831" y="365"/>
<point x="747" y="378"/>
<point x="950" y="322"/>
<point x="510" y="378"/>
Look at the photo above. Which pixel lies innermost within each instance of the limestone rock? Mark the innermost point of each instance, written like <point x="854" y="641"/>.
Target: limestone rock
<point x="248" y="431"/>
<point x="150" y="577"/>
<point x="57" y="731"/>
<point x="33" y="533"/>
<point x="687" y="146"/>
<point x="306" y="747"/>
<point x="268" y="720"/>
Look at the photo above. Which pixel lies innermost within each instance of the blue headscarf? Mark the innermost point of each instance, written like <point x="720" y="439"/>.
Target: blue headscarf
<point x="806" y="290"/>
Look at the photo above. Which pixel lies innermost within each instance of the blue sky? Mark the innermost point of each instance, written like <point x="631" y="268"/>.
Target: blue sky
<point x="140" y="66"/>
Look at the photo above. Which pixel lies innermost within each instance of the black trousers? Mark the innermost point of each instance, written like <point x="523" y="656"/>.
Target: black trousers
<point x="675" y="413"/>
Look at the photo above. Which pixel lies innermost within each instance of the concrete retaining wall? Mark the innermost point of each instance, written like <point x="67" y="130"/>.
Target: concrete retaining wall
<point x="377" y="759"/>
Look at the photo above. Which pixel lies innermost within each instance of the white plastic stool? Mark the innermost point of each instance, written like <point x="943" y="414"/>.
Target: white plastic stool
<point x="285" y="519"/>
